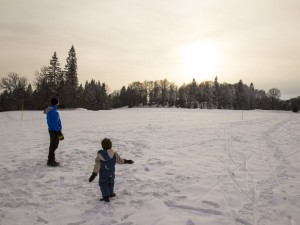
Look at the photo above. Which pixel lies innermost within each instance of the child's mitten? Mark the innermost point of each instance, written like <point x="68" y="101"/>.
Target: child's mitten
<point x="126" y="161"/>
<point x="92" y="176"/>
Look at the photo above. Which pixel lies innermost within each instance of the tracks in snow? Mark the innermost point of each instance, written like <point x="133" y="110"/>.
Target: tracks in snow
<point x="263" y="189"/>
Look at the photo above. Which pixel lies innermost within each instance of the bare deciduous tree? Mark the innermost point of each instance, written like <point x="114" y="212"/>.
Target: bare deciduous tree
<point x="13" y="82"/>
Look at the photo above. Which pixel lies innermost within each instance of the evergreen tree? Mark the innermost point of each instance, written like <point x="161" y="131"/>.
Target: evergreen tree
<point x="115" y="100"/>
<point x="242" y="96"/>
<point x="90" y="98"/>
<point x="70" y="98"/>
<point x="123" y="97"/>
<point x="216" y="93"/>
<point x="227" y="96"/>
<point x="104" y="97"/>
<point x="54" y="75"/>
<point x="172" y="94"/>
<point x="49" y="82"/>
<point x="28" y="104"/>
<point x="80" y="96"/>
<point x="192" y="94"/>
<point x="131" y="97"/>
<point x="295" y="104"/>
<point x="5" y="103"/>
<point x="252" y="96"/>
<point x="183" y="96"/>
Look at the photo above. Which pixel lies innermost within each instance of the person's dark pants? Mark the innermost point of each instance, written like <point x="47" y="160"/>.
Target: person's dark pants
<point x="106" y="183"/>
<point x="54" y="140"/>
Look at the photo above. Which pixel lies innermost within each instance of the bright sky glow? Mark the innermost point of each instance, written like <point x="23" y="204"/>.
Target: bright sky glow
<point x="119" y="42"/>
<point x="200" y="60"/>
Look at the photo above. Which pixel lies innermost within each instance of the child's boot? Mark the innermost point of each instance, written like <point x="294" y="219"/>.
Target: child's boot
<point x="105" y="198"/>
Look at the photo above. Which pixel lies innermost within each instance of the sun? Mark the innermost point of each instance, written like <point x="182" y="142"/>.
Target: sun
<point x="200" y="60"/>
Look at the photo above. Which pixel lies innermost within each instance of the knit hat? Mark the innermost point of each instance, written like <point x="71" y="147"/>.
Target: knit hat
<point x="106" y="143"/>
<point x="54" y="101"/>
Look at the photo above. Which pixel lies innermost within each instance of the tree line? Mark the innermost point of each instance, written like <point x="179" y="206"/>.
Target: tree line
<point x="53" y="81"/>
<point x="207" y="94"/>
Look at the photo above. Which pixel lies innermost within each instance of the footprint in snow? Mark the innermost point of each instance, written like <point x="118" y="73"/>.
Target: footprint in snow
<point x="190" y="222"/>
<point x="216" y="205"/>
<point x="239" y="220"/>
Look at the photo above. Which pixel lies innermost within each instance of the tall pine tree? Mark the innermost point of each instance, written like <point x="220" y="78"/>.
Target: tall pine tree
<point x="54" y="76"/>
<point x="71" y="80"/>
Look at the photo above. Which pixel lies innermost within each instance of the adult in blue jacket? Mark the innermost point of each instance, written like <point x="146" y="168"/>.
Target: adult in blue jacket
<point x="54" y="128"/>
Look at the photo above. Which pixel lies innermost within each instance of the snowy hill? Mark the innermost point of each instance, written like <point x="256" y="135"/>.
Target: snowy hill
<point x="212" y="167"/>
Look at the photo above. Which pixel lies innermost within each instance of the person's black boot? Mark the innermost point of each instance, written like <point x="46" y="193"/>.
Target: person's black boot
<point x="112" y="195"/>
<point x="105" y="198"/>
<point x="52" y="163"/>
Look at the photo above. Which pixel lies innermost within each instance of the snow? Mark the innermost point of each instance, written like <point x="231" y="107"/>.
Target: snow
<point x="213" y="167"/>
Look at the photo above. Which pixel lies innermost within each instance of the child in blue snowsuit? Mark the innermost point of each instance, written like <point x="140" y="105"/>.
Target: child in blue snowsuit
<point x="105" y="165"/>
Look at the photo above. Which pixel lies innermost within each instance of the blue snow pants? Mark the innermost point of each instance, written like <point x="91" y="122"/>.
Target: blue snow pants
<point x="106" y="183"/>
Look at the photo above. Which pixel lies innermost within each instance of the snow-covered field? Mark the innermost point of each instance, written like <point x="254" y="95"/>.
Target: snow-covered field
<point x="212" y="167"/>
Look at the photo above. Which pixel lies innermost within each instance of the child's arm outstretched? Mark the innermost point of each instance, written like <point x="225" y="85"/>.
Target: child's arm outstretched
<point x="119" y="160"/>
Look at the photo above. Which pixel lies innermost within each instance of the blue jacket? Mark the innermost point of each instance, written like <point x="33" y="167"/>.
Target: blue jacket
<point x="53" y="119"/>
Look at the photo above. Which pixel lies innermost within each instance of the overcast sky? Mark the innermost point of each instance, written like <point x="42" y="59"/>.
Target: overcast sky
<point x="122" y="41"/>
